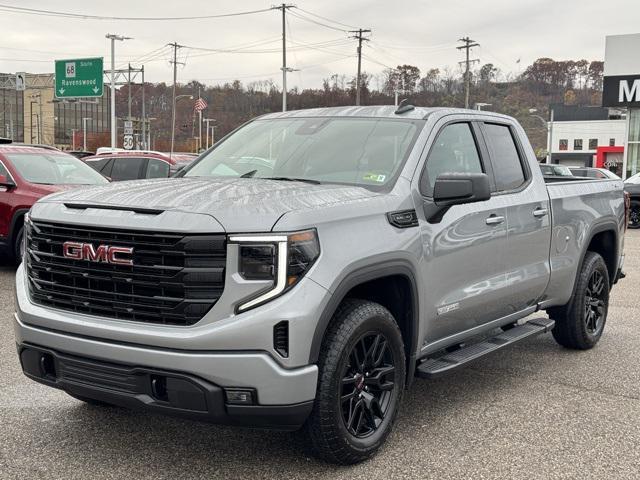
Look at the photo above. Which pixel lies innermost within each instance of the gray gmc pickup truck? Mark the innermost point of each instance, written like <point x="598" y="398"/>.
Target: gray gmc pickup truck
<point x="303" y="271"/>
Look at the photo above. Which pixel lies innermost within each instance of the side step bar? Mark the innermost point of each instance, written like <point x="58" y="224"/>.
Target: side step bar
<point x="436" y="366"/>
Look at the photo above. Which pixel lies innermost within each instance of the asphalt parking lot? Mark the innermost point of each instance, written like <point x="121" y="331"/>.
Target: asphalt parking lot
<point x="531" y="411"/>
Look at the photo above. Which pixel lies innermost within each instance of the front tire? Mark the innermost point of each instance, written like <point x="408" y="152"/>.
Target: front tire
<point x="580" y="323"/>
<point x="634" y="214"/>
<point x="18" y="246"/>
<point x="360" y="384"/>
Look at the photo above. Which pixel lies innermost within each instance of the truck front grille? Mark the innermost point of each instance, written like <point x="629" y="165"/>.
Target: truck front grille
<point x="174" y="279"/>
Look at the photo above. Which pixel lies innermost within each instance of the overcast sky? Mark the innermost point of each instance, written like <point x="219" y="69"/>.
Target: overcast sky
<point x="422" y="33"/>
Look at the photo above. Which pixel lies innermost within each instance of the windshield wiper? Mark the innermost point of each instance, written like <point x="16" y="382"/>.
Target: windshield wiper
<point x="293" y="179"/>
<point x="249" y="174"/>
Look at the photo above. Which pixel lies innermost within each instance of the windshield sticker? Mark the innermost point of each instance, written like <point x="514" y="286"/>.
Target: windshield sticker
<point x="374" y="177"/>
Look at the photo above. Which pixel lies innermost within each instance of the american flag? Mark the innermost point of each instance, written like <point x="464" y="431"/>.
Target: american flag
<point x="200" y="105"/>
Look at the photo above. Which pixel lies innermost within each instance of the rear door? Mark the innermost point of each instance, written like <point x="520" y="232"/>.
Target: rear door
<point x="523" y="193"/>
<point x="128" y="168"/>
<point x="464" y="253"/>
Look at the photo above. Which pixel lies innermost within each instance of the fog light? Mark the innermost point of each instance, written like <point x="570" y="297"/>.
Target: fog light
<point x="239" y="397"/>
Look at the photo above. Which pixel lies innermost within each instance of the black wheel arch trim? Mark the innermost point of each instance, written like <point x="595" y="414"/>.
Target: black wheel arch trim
<point x="386" y="268"/>
<point x="18" y="214"/>
<point x="607" y="225"/>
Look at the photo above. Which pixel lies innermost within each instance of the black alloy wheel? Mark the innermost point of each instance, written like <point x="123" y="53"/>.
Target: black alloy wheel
<point x="595" y="303"/>
<point x="367" y="385"/>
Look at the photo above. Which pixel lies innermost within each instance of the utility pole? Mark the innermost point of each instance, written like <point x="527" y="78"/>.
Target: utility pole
<point x="468" y="45"/>
<point x="358" y="35"/>
<point x="113" y="39"/>
<point x="284" y="7"/>
<point x="175" y="79"/>
<point x="144" y="138"/>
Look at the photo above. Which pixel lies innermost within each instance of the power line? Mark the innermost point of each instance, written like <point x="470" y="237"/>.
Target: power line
<point x="326" y="19"/>
<point x="52" y="13"/>
<point x="311" y="20"/>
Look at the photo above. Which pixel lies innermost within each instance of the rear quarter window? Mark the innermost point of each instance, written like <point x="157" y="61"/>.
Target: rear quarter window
<point x="505" y="158"/>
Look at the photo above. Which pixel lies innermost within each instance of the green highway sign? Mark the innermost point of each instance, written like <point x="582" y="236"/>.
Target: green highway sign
<point x="81" y="77"/>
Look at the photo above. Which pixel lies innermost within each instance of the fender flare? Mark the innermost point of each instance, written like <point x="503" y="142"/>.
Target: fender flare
<point x="386" y="268"/>
<point x="599" y="227"/>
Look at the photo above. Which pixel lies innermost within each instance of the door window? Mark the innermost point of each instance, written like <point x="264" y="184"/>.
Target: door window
<point x="127" y="168"/>
<point x="505" y="159"/>
<point x="454" y="151"/>
<point x="157" y="169"/>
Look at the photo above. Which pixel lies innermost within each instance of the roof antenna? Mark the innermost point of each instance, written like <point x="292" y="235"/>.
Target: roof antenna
<point x="404" y="107"/>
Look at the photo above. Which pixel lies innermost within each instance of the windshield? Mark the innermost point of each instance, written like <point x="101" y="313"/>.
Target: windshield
<point x="54" y="169"/>
<point x="357" y="151"/>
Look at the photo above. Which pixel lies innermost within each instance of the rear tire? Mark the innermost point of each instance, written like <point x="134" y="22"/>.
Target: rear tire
<point x="634" y="214"/>
<point x="580" y="323"/>
<point x="360" y="383"/>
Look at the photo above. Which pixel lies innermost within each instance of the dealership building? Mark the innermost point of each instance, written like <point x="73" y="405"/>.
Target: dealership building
<point x="621" y="89"/>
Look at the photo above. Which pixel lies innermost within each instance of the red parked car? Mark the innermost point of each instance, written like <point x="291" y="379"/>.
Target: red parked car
<point x="137" y="164"/>
<point x="28" y="174"/>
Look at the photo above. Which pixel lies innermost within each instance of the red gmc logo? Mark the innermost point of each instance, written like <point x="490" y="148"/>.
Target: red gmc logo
<point x="104" y="253"/>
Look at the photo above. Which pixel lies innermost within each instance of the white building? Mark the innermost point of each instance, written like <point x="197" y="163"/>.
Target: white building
<point x="586" y="137"/>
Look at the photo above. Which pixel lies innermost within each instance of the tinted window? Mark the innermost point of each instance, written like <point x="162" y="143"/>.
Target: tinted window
<point x="564" y="144"/>
<point x="106" y="170"/>
<point x="593" y="143"/>
<point x="97" y="165"/>
<point x="577" y="144"/>
<point x="126" y="168"/>
<point x="454" y="151"/>
<point x="504" y="157"/>
<point x="157" y="169"/>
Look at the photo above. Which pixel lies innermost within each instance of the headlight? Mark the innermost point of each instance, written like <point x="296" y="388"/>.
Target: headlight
<point x="282" y="258"/>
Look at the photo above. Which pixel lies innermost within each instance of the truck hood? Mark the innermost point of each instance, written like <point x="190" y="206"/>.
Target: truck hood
<point x="238" y="204"/>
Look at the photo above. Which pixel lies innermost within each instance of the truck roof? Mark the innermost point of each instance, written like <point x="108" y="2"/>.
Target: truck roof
<point x="374" y="111"/>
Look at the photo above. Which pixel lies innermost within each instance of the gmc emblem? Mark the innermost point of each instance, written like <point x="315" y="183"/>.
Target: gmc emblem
<point x="104" y="253"/>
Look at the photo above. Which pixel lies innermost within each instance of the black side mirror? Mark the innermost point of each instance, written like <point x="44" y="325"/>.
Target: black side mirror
<point x="6" y="182"/>
<point x="456" y="189"/>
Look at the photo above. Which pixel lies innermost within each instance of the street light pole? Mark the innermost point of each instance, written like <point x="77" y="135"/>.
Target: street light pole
<point x="207" y="120"/>
<point x="550" y="139"/>
<point x="113" y="39"/>
<point x="84" y="133"/>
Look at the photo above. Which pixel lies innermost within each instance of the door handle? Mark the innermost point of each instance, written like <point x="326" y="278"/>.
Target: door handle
<point x="540" y="212"/>
<point x="494" y="220"/>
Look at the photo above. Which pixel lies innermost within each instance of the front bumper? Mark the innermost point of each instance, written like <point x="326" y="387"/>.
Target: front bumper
<point x="168" y="392"/>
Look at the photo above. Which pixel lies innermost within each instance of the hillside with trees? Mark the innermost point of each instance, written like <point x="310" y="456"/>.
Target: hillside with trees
<point x="544" y="82"/>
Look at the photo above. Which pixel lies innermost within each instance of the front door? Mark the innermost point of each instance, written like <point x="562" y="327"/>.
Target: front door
<point x="463" y="268"/>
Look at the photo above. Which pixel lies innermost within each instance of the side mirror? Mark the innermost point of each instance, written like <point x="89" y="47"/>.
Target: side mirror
<point x="6" y="182"/>
<point x="456" y="189"/>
